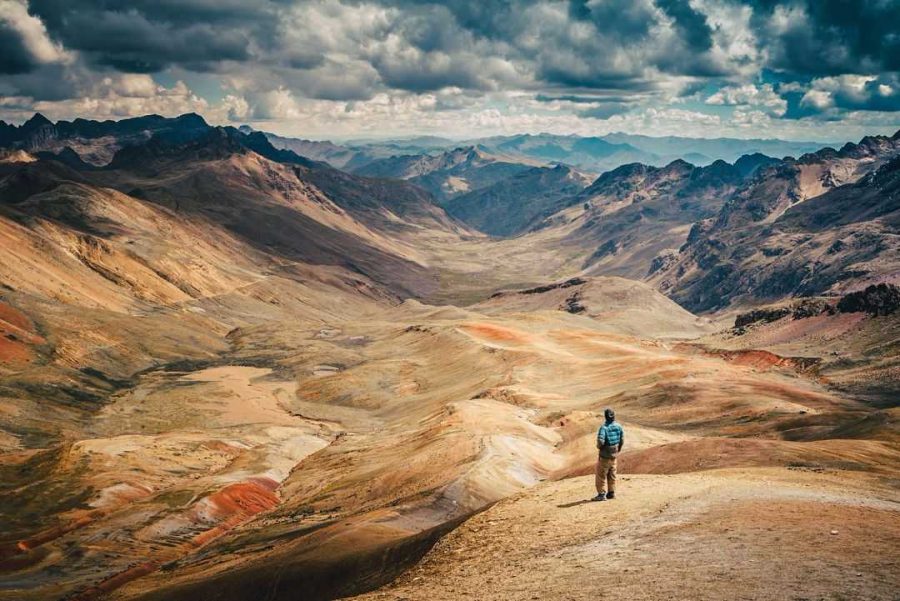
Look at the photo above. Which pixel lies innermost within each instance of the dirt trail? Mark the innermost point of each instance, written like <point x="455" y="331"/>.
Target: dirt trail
<point x="726" y="534"/>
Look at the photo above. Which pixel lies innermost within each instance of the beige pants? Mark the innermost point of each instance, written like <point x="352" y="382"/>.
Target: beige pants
<point x="605" y="475"/>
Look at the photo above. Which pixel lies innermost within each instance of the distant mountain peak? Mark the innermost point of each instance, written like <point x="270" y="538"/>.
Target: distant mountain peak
<point x="749" y="164"/>
<point x="192" y="119"/>
<point x="678" y="165"/>
<point x="37" y="120"/>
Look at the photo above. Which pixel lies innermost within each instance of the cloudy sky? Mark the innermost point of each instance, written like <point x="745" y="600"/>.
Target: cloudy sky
<point x="812" y="70"/>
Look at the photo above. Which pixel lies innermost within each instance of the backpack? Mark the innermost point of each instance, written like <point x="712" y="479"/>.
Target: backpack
<point x="610" y="449"/>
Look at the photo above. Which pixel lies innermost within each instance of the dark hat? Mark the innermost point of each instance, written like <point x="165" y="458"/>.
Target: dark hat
<point x="609" y="414"/>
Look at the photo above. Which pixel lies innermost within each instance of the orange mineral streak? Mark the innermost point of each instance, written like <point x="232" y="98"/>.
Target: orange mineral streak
<point x="495" y="333"/>
<point x="243" y="499"/>
<point x="113" y="582"/>
<point x="14" y="351"/>
<point x="17" y="333"/>
<point x="50" y="534"/>
<point x="80" y="519"/>
<point x="232" y="506"/>
<point x="14" y="318"/>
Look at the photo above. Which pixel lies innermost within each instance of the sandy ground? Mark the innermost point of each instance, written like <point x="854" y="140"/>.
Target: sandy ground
<point x="723" y="534"/>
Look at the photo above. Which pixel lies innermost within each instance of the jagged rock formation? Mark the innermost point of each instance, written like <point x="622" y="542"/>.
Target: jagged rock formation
<point x="96" y="142"/>
<point x="629" y="218"/>
<point x="824" y="224"/>
<point x="880" y="299"/>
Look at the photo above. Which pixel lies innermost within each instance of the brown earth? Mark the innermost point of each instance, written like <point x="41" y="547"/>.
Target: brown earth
<point x="215" y="390"/>
<point x="725" y="534"/>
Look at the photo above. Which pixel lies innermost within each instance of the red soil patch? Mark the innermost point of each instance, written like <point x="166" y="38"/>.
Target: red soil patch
<point x="15" y="318"/>
<point x="250" y="497"/>
<point x="495" y="333"/>
<point x="755" y="358"/>
<point x="764" y="360"/>
<point x="14" y="351"/>
<point x="235" y="504"/>
<point x="17" y="332"/>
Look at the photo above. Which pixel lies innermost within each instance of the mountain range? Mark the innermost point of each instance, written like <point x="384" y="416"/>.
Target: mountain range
<point x="593" y="154"/>
<point x="640" y="221"/>
<point x="234" y="363"/>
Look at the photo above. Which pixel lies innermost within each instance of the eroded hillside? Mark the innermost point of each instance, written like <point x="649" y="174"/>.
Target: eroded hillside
<point x="227" y="369"/>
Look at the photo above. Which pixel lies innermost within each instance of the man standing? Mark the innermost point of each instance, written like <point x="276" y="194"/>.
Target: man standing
<point x="610" y="440"/>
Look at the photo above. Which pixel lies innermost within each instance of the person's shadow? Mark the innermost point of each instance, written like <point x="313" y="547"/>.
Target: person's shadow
<point x="575" y="503"/>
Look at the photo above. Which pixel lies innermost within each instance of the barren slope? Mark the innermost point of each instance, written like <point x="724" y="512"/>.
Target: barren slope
<point x="221" y="377"/>
<point x="824" y="224"/>
<point x="731" y="534"/>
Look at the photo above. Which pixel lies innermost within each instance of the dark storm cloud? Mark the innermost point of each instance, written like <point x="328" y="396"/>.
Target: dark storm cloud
<point x="44" y="82"/>
<point x="691" y="24"/>
<point x="151" y="35"/>
<point x="55" y="13"/>
<point x="830" y="37"/>
<point x="354" y="49"/>
<point x="617" y="19"/>
<point x="15" y="58"/>
<point x="147" y="36"/>
<point x="611" y="45"/>
<point x="436" y="52"/>
<point x="497" y="19"/>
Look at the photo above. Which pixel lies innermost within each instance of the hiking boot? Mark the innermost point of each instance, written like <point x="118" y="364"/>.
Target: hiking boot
<point x="599" y="498"/>
<point x="610" y="495"/>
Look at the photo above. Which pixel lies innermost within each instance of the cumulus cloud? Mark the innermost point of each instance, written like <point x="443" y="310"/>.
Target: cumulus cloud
<point x="816" y="37"/>
<point x="750" y="95"/>
<point x="116" y="97"/>
<point x="24" y="43"/>
<point x="150" y="35"/>
<point x="855" y="92"/>
<point x="531" y="63"/>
